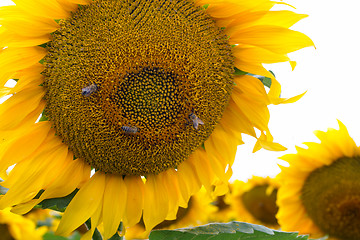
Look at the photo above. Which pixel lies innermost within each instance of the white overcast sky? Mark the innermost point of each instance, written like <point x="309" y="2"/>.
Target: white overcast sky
<point x="328" y="74"/>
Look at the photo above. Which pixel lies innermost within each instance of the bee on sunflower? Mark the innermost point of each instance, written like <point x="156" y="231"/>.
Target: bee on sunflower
<point x="115" y="83"/>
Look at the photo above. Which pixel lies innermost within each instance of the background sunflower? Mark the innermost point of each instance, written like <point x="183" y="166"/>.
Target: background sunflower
<point x="13" y="226"/>
<point x="320" y="187"/>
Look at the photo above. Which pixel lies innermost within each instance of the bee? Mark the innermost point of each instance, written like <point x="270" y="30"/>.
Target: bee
<point x="129" y="130"/>
<point x="87" y="91"/>
<point x="195" y="120"/>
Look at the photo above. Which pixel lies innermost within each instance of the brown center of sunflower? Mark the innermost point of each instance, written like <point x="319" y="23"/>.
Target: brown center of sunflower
<point x="331" y="196"/>
<point x="134" y="87"/>
<point x="260" y="204"/>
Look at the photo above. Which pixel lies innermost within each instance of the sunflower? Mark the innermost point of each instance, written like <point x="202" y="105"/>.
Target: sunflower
<point x="320" y="190"/>
<point x="253" y="201"/>
<point x="198" y="211"/>
<point x="146" y="93"/>
<point x="44" y="217"/>
<point x="13" y="226"/>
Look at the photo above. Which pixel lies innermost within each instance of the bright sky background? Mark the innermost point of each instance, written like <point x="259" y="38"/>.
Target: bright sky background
<point x="328" y="74"/>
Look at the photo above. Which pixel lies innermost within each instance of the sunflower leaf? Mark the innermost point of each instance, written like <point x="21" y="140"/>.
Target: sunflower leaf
<point x="58" y="204"/>
<point x="265" y="80"/>
<point x="52" y="236"/>
<point x="43" y="117"/>
<point x="225" y="231"/>
<point x="239" y="72"/>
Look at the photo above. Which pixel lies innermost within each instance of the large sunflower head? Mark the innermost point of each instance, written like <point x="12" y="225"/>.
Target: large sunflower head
<point x="148" y="93"/>
<point x="320" y="190"/>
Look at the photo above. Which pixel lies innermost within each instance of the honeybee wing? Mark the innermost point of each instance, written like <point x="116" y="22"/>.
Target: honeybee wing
<point x="88" y="90"/>
<point x="128" y="129"/>
<point x="195" y="124"/>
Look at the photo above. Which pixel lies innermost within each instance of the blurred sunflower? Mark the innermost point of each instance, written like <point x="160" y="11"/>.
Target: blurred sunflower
<point x="16" y="227"/>
<point x="144" y="92"/>
<point x="197" y="212"/>
<point x="254" y="201"/>
<point x="44" y="217"/>
<point x="224" y="212"/>
<point x="320" y="190"/>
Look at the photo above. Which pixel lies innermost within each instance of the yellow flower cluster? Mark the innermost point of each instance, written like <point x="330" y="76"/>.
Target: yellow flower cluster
<point x="154" y="95"/>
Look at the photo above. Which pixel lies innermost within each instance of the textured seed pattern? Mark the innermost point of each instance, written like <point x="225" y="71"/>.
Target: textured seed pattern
<point x="153" y="62"/>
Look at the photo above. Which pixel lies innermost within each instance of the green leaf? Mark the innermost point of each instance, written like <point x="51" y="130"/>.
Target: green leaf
<point x="44" y="45"/>
<point x="3" y="190"/>
<point x="52" y="236"/>
<point x="239" y="72"/>
<point x="116" y="237"/>
<point x="43" y="117"/>
<point x="58" y="204"/>
<point x="225" y="231"/>
<point x="266" y="81"/>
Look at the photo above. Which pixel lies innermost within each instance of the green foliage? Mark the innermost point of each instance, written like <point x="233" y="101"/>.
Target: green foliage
<point x="44" y="45"/>
<point x="225" y="231"/>
<point x="58" y="204"/>
<point x="115" y="237"/>
<point x="52" y="236"/>
<point x="265" y="80"/>
<point x="43" y="117"/>
<point x="239" y="72"/>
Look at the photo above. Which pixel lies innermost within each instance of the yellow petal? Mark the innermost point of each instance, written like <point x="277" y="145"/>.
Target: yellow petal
<point x="4" y="91"/>
<point x="272" y="146"/>
<point x="11" y="39"/>
<point x="156" y="205"/>
<point x="288" y="100"/>
<point x="225" y="9"/>
<point x="172" y="185"/>
<point x="252" y="107"/>
<point x="204" y="171"/>
<point x="19" y="106"/>
<point x="274" y="18"/>
<point x="13" y="59"/>
<point x="235" y="118"/>
<point x="49" y="8"/>
<point x="95" y="222"/>
<point x="61" y="186"/>
<point x="85" y="203"/>
<point x="273" y="38"/>
<point x="135" y="200"/>
<point x="252" y="67"/>
<point x="255" y="55"/>
<point x="115" y="196"/>
<point x="217" y="161"/>
<point x="24" y="24"/>
<point x="189" y="182"/>
<point x="29" y="142"/>
<point x="5" y="76"/>
<point x="33" y="174"/>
